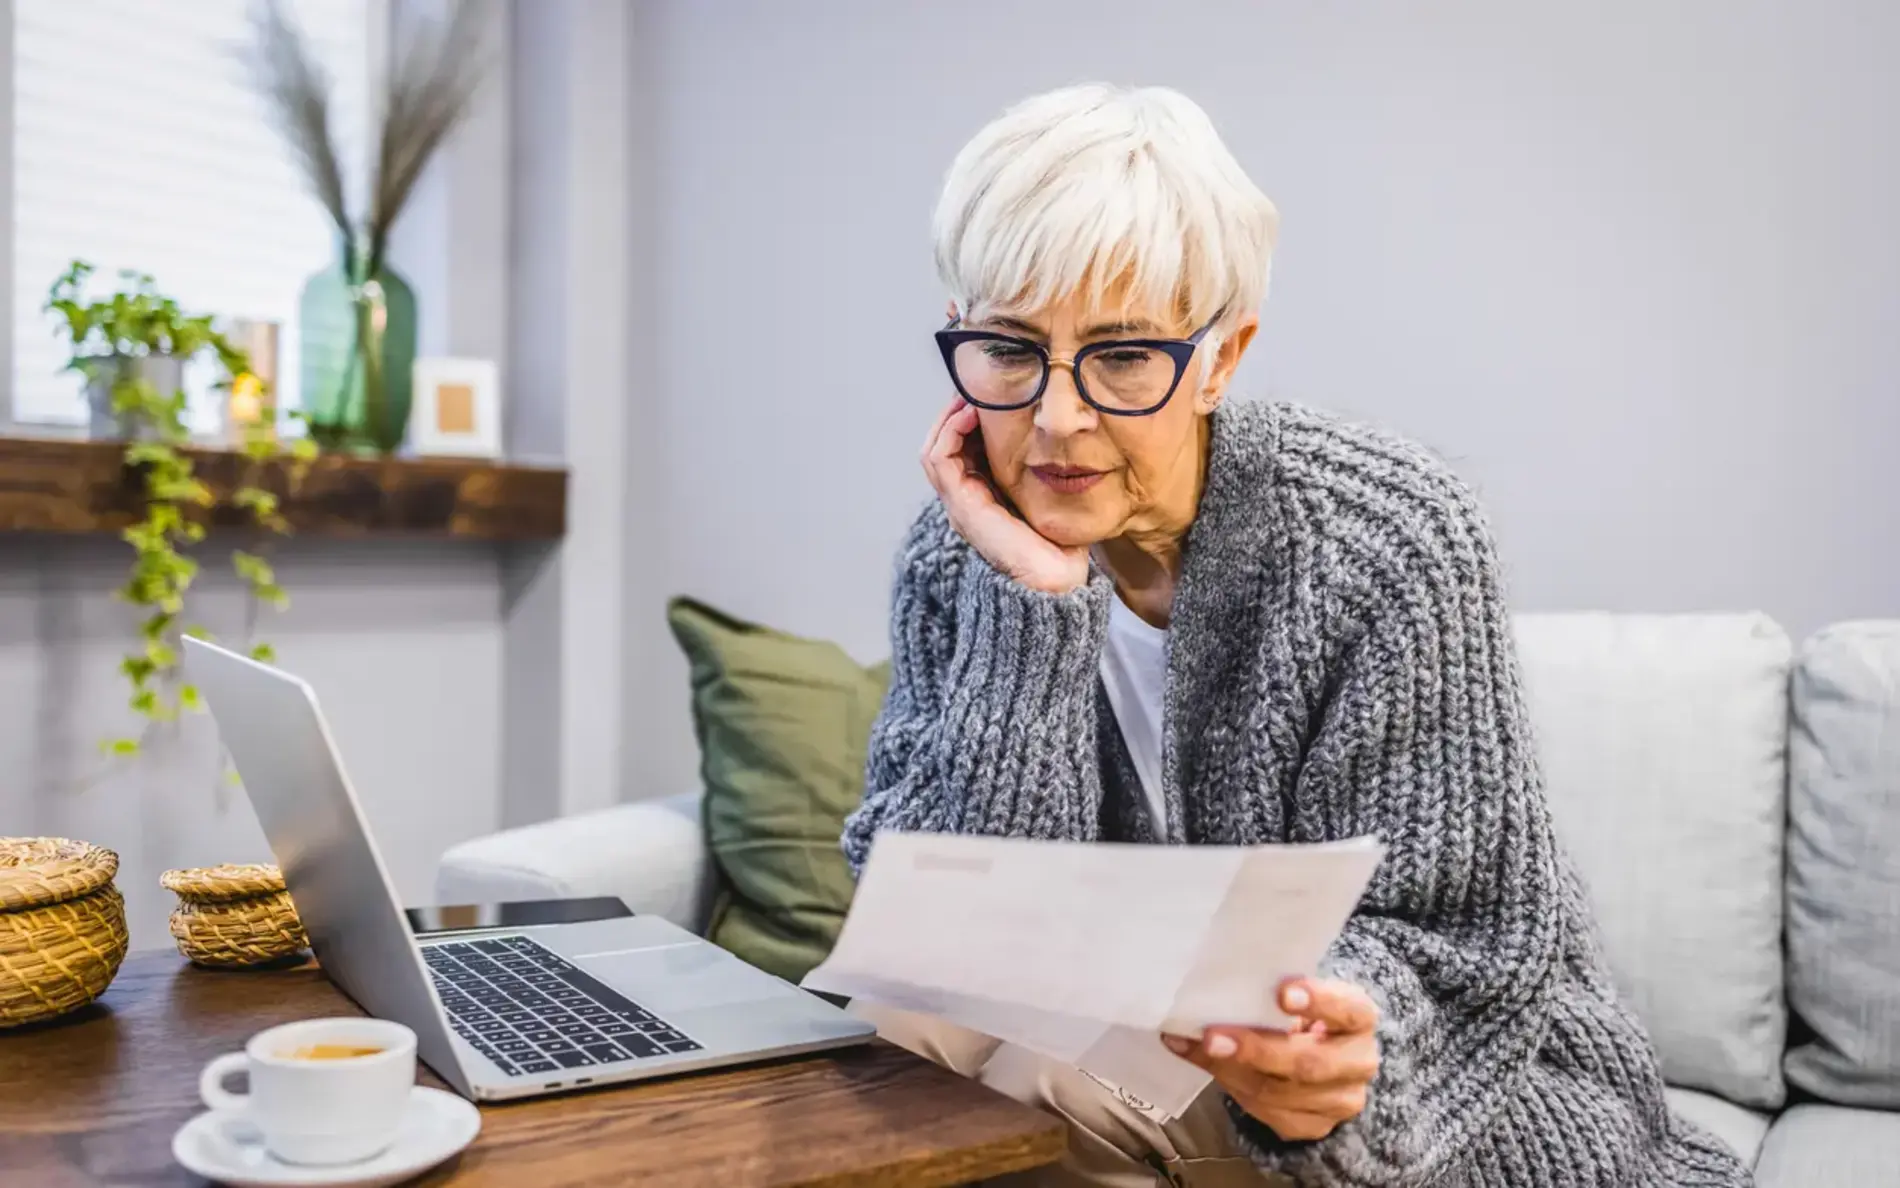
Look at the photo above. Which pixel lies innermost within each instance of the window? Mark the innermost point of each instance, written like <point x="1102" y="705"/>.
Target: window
<point x="139" y="143"/>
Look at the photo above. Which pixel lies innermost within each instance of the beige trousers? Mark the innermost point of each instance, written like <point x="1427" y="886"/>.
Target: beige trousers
<point x="1114" y="1142"/>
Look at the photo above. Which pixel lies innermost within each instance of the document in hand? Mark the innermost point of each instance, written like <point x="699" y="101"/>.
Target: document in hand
<point x="1087" y="952"/>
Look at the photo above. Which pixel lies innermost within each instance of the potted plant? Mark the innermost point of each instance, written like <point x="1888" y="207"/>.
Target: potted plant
<point x="132" y="347"/>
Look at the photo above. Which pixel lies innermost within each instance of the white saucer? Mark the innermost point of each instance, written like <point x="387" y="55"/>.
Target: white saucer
<point x="227" y="1150"/>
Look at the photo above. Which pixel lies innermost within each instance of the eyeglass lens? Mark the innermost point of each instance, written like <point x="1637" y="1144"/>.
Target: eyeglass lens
<point x="1006" y="374"/>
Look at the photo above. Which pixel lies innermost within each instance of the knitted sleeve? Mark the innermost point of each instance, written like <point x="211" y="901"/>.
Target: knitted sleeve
<point x="1424" y="742"/>
<point x="989" y="725"/>
<point x="1472" y="920"/>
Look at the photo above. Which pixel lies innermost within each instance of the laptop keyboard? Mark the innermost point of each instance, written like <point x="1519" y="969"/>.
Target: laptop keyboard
<point x="530" y="1012"/>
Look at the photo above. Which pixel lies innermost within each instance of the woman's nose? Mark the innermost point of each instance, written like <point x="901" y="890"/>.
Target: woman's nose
<point x="1062" y="411"/>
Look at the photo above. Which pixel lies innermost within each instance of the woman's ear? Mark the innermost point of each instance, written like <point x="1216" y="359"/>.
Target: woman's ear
<point x="950" y="309"/>
<point x="1233" y="345"/>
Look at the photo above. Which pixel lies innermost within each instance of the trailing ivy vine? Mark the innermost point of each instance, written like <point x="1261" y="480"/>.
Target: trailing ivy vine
<point x="110" y="337"/>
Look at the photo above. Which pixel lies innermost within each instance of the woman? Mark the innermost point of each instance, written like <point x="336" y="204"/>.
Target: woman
<point x="1137" y="613"/>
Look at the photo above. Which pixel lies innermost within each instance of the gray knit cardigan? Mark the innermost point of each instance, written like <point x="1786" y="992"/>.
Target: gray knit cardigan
<point x="1340" y="663"/>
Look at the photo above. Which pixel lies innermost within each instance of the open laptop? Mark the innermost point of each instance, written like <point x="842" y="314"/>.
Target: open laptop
<point x="498" y="1013"/>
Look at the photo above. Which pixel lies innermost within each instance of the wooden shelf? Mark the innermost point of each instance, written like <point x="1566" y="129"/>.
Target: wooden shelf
<point x="72" y="485"/>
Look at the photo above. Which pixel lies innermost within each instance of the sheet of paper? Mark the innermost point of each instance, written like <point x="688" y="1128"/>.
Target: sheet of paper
<point x="1086" y="952"/>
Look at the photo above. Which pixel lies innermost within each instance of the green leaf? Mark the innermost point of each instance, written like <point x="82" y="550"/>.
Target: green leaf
<point x="189" y="698"/>
<point x="199" y="631"/>
<point x="255" y="498"/>
<point x="138" y="669"/>
<point x="121" y="747"/>
<point x="263" y="653"/>
<point x="160" y="653"/>
<point x="274" y="595"/>
<point x="142" y="453"/>
<point x="145" y="701"/>
<point x="252" y="568"/>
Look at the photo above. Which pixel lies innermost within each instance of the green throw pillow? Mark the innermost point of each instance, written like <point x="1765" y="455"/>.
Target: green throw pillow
<point x="783" y="724"/>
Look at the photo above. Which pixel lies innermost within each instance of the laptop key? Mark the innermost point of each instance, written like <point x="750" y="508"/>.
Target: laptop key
<point x="651" y="1025"/>
<point x="616" y="1028"/>
<point x="572" y="1059"/>
<point x="514" y="1045"/>
<point x="641" y="1047"/>
<point x="605" y="1053"/>
<point x="555" y="1045"/>
<point x="684" y="1045"/>
<point x="576" y="1030"/>
<point x="516" y="1017"/>
<point x="537" y="1066"/>
<point x="665" y="1037"/>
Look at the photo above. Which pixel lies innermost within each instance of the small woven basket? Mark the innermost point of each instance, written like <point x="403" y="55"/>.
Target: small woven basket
<point x="233" y="915"/>
<point x="62" y="926"/>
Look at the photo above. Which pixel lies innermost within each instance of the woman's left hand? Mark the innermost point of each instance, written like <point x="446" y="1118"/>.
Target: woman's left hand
<point x="1302" y="1083"/>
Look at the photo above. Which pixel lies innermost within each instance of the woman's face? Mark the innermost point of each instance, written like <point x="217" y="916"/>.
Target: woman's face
<point x="1080" y="477"/>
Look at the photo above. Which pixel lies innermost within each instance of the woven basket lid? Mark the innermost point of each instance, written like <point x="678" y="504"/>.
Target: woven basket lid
<point x="36" y="871"/>
<point x="220" y="884"/>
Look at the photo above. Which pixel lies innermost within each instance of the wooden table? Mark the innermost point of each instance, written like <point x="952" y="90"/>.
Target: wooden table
<point x="94" y="1099"/>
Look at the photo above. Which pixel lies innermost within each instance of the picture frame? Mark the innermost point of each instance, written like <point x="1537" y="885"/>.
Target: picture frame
<point x="456" y="411"/>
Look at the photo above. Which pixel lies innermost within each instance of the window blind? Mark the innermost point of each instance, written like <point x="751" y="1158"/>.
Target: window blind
<point x="138" y="142"/>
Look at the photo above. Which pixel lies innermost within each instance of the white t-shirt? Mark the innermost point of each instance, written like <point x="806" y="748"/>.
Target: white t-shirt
<point x="1135" y="671"/>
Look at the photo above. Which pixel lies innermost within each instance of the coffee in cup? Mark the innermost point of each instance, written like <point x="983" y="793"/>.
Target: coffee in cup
<point x="334" y="1051"/>
<point x="323" y="1091"/>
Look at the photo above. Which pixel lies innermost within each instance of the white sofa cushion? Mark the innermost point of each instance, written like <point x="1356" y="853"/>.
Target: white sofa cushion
<point x="652" y="855"/>
<point x="1844" y="865"/>
<point x="1664" y="744"/>
<point x="1822" y="1146"/>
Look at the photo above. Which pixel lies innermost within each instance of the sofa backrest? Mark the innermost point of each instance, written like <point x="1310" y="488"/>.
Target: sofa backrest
<point x="1664" y="744"/>
<point x="1844" y="865"/>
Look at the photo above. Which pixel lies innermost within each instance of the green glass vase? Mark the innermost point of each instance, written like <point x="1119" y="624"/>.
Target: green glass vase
<point x="358" y="334"/>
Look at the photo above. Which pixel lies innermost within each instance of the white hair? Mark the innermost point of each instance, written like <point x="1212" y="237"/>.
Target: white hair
<point x="1105" y="187"/>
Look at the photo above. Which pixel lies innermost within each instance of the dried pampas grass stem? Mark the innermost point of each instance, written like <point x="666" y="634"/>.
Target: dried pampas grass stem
<point x="435" y="70"/>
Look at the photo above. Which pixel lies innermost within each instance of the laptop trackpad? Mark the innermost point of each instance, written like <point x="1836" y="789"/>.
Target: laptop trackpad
<point x="683" y="977"/>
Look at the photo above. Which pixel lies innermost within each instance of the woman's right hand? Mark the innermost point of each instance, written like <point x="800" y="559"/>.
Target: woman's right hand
<point x="1003" y="538"/>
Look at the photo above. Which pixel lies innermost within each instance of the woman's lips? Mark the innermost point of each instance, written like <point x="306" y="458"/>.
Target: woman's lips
<point x="1067" y="480"/>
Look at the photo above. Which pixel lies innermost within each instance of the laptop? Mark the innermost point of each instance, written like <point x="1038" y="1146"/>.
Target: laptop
<point x="499" y="1013"/>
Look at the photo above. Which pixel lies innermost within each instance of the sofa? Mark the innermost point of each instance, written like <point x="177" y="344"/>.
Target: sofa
<point x="1732" y="801"/>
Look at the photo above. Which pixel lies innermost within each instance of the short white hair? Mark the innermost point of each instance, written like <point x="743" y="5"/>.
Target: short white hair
<point x="1104" y="186"/>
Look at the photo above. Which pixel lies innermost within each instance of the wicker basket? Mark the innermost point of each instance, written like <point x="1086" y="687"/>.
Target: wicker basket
<point x="233" y="915"/>
<point x="62" y="926"/>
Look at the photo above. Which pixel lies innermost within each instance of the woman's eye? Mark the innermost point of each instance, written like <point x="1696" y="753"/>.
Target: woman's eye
<point x="1127" y="357"/>
<point x="1007" y="352"/>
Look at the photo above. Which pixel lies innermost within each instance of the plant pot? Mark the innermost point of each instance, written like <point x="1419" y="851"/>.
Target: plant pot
<point x="166" y="373"/>
<point x="358" y="332"/>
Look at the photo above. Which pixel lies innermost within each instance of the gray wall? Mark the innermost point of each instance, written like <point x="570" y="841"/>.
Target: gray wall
<point x="1632" y="266"/>
<point x="403" y="643"/>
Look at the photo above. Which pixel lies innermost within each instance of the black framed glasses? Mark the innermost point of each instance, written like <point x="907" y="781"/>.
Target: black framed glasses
<point x="1130" y="377"/>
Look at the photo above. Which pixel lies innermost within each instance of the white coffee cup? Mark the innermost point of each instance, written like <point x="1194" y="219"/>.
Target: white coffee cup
<point x="312" y="1104"/>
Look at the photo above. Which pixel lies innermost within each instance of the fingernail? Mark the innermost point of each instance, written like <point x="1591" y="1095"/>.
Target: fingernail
<point x="1296" y="998"/>
<point x="1176" y="1044"/>
<point x="1220" y="1047"/>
